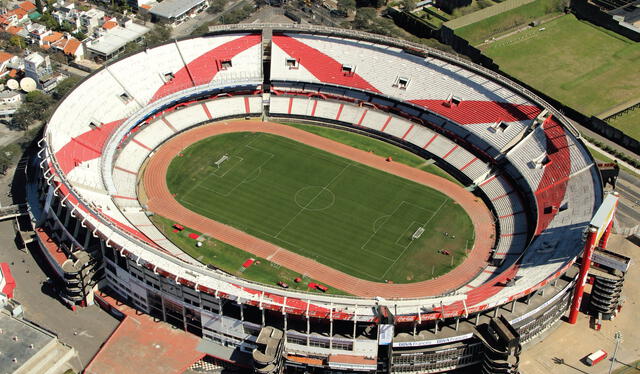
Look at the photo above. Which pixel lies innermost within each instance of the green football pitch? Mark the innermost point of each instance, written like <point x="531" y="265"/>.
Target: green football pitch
<point x="581" y="65"/>
<point x="349" y="216"/>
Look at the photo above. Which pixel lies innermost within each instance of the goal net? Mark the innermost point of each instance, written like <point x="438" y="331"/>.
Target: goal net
<point x="418" y="233"/>
<point x="221" y="160"/>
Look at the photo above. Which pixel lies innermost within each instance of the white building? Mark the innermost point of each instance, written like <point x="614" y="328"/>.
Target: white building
<point x="90" y="19"/>
<point x="67" y="13"/>
<point x="112" y="42"/>
<point x="174" y="12"/>
<point x="38" y="67"/>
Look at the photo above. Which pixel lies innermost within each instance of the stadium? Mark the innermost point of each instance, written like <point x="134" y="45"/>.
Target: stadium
<point x="524" y="178"/>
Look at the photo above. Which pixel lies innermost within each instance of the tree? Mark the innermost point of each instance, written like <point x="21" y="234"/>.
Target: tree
<point x="200" y="30"/>
<point x="18" y="43"/>
<point x="346" y="5"/>
<point x="35" y="108"/>
<point x="159" y="34"/>
<point x="131" y="47"/>
<point x="48" y="20"/>
<point x="409" y="5"/>
<point x="364" y="18"/>
<point x="79" y="35"/>
<point x="216" y="6"/>
<point x="65" y="86"/>
<point x="39" y="6"/>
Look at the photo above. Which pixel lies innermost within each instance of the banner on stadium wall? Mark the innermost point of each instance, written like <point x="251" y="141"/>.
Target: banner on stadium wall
<point x="604" y="215"/>
<point x="433" y="342"/>
<point x="385" y="335"/>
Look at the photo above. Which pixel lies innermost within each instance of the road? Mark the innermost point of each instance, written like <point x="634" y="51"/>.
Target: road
<point x="205" y="17"/>
<point x="628" y="215"/>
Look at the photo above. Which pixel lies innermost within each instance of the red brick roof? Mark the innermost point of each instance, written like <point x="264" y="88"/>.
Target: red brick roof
<point x="72" y="46"/>
<point x="4" y="56"/>
<point x="14" y="30"/>
<point x="27" y="6"/>
<point x="109" y="25"/>
<point x="53" y="37"/>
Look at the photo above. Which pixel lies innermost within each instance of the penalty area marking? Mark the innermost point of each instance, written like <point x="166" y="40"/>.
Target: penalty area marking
<point x="425" y="224"/>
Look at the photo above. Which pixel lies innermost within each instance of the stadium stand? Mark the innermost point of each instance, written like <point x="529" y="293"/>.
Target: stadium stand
<point x="514" y="151"/>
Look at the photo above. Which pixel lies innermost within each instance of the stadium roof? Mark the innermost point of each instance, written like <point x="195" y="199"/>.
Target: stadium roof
<point x="174" y="8"/>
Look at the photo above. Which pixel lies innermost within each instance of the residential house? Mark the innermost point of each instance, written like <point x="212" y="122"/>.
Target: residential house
<point x="71" y="47"/>
<point x="90" y="20"/>
<point x="67" y="14"/>
<point x="5" y="61"/>
<point x="27" y="6"/>
<point x="37" y="33"/>
<point x="38" y="67"/>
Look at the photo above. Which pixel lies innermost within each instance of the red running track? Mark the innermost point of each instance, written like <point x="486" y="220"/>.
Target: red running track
<point x="163" y="203"/>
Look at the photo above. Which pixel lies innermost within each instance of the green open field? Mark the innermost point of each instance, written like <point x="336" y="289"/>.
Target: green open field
<point x="584" y="66"/>
<point x="629" y="123"/>
<point x="492" y="26"/>
<point x="344" y="214"/>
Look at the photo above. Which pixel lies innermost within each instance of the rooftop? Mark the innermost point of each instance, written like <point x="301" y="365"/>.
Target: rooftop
<point x="4" y="56"/>
<point x="174" y="8"/>
<point x="116" y="38"/>
<point x="21" y="341"/>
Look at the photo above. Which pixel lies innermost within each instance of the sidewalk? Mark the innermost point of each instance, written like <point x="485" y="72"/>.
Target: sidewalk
<point x="142" y="345"/>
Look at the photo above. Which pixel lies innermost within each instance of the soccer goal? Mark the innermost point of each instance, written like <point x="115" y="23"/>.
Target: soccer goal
<point x="418" y="233"/>
<point x="222" y="159"/>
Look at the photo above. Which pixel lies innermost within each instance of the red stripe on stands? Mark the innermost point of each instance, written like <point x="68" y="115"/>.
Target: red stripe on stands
<point x="469" y="163"/>
<point x="488" y="271"/>
<point x="206" y="111"/>
<point x="488" y="180"/>
<point x="203" y="69"/>
<point x="339" y="112"/>
<point x="509" y="215"/>
<point x="85" y="147"/>
<point x="362" y="117"/>
<point x="556" y="183"/>
<point x="450" y="152"/>
<point x="507" y="254"/>
<point x="290" y="105"/>
<point x="514" y="234"/>
<point x="89" y="147"/>
<point x="501" y="196"/>
<point x="408" y="131"/>
<point x="553" y="184"/>
<point x="321" y="66"/>
<point x="142" y="145"/>
<point x="430" y="141"/>
<point x="474" y="111"/>
<point x="166" y="122"/>
<point x="313" y="110"/>
<point x="386" y="124"/>
<point x="124" y="197"/>
<point x="125" y="170"/>
<point x="247" y="109"/>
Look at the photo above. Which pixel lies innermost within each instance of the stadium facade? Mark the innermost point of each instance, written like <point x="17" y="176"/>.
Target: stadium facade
<point x="521" y="157"/>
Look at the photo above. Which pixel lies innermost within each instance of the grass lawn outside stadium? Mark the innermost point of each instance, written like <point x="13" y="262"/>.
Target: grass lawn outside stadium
<point x="572" y="61"/>
<point x="346" y="215"/>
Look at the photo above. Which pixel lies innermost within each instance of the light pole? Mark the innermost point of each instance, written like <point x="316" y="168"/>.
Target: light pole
<point x="618" y="337"/>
